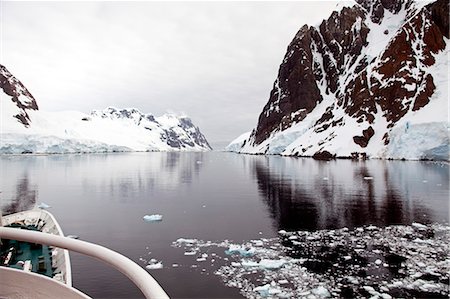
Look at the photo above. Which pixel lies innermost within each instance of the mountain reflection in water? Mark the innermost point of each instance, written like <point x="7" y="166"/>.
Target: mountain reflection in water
<point x="307" y="194"/>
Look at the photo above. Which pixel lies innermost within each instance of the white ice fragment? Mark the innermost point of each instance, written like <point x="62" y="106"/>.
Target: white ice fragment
<point x="241" y="250"/>
<point x="369" y="289"/>
<point x="321" y="292"/>
<point x="190" y="252"/>
<point x="271" y="264"/>
<point x="283" y="281"/>
<point x="368" y="178"/>
<point x="185" y="241"/>
<point x="421" y="265"/>
<point x="248" y="263"/>
<point x="204" y="255"/>
<point x="235" y="264"/>
<point x="154" y="266"/>
<point x="152" y="218"/>
<point x="378" y="262"/>
<point x="266" y="290"/>
<point x="385" y="296"/>
<point x="419" y="226"/>
<point x="201" y="259"/>
<point x="258" y="243"/>
<point x="43" y="206"/>
<point x="282" y="232"/>
<point x="175" y="265"/>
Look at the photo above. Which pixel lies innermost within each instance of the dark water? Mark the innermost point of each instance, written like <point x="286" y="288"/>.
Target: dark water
<point x="211" y="196"/>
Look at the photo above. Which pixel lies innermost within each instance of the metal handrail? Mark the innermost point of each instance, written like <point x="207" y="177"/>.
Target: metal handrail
<point x="140" y="277"/>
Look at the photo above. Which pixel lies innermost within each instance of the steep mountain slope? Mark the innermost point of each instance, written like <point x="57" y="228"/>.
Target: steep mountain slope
<point x="26" y="129"/>
<point x="371" y="80"/>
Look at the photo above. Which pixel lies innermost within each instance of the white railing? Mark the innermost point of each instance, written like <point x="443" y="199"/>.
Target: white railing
<point x="140" y="277"/>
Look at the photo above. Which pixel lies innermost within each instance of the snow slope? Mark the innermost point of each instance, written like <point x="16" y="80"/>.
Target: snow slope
<point x="25" y="129"/>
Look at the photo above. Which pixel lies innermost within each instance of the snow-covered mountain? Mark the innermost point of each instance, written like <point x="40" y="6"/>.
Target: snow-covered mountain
<point x="371" y="80"/>
<point x="26" y="129"/>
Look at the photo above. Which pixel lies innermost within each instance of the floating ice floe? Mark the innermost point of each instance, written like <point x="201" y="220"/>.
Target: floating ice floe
<point x="152" y="218"/>
<point x="368" y="178"/>
<point x="43" y="206"/>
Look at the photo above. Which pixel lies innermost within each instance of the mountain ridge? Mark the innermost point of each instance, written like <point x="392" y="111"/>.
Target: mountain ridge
<point x="26" y="129"/>
<point x="363" y="71"/>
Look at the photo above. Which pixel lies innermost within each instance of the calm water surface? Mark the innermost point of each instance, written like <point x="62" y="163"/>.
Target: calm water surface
<point x="211" y="196"/>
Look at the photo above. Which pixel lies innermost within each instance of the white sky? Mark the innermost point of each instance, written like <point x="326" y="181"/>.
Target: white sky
<point x="214" y="61"/>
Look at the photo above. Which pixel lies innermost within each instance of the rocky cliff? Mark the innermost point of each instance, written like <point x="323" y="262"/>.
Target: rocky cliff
<point x="359" y="81"/>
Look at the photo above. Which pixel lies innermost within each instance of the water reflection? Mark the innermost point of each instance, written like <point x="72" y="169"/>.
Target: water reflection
<point x="306" y="194"/>
<point x="24" y="198"/>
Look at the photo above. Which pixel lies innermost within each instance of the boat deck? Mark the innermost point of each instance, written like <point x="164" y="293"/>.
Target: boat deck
<point x="36" y="258"/>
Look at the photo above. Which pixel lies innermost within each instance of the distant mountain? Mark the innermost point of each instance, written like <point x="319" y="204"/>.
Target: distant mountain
<point x="371" y="80"/>
<point x="26" y="129"/>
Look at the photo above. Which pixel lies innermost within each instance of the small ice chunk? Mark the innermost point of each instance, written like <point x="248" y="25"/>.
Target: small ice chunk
<point x="282" y="232"/>
<point x="154" y="266"/>
<point x="152" y="218"/>
<point x="258" y="243"/>
<point x="235" y="264"/>
<point x="175" y="265"/>
<point x="190" y="252"/>
<point x="185" y="241"/>
<point x="368" y="178"/>
<point x="321" y="292"/>
<point x="421" y="265"/>
<point x="43" y="206"/>
<point x="369" y="289"/>
<point x="241" y="250"/>
<point x="201" y="259"/>
<point x="378" y="262"/>
<point x="283" y="281"/>
<point x="419" y="226"/>
<point x="385" y="296"/>
<point x="204" y="255"/>
<point x="266" y="290"/>
<point x="247" y="263"/>
<point x="271" y="264"/>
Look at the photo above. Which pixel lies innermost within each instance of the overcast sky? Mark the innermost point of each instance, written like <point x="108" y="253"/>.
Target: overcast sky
<point x="214" y="61"/>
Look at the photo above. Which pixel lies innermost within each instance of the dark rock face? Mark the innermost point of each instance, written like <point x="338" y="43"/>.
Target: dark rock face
<point x="325" y="155"/>
<point x="331" y="62"/>
<point x="363" y="140"/>
<point x="19" y="95"/>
